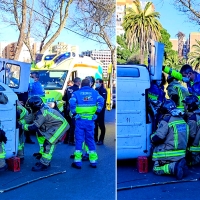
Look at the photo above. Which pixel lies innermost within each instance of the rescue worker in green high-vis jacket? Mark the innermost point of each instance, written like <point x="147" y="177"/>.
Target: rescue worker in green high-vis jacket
<point x="50" y="124"/>
<point x="176" y="91"/>
<point x="22" y="114"/>
<point x="187" y="75"/>
<point x="170" y="142"/>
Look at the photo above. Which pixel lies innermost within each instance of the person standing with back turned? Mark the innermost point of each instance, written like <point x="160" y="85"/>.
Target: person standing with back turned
<point x="84" y="104"/>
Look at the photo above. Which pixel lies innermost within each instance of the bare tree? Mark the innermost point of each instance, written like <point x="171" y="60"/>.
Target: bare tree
<point x="19" y="16"/>
<point x="96" y="19"/>
<point x="190" y="7"/>
<point x="35" y="19"/>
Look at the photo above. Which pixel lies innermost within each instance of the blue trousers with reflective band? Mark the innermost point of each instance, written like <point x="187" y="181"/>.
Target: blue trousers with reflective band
<point x="84" y="132"/>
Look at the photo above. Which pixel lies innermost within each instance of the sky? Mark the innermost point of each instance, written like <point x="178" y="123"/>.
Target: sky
<point x="10" y="34"/>
<point x="173" y="20"/>
<point x="170" y="18"/>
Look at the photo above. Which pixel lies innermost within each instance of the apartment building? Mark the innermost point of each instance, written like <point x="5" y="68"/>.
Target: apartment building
<point x="103" y="55"/>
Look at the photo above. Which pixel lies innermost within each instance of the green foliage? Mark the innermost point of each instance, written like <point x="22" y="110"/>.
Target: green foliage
<point x="194" y="56"/>
<point x="140" y="26"/>
<point x="123" y="53"/>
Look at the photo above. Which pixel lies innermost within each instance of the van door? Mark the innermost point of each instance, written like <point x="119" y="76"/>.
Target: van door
<point x="15" y="74"/>
<point x="132" y="81"/>
<point x="8" y="119"/>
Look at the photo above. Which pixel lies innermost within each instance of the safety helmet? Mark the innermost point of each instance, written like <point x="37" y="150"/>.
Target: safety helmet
<point x="35" y="103"/>
<point x="192" y="102"/>
<point x="167" y="106"/>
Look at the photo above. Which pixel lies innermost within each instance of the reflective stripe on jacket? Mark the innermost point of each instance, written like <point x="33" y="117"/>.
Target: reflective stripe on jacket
<point x="174" y="135"/>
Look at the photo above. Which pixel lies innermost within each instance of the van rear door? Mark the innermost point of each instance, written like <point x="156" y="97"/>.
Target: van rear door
<point x="15" y="74"/>
<point x="132" y="82"/>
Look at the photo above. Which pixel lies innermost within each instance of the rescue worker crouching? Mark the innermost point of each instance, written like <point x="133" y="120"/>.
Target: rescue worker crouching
<point x="50" y="124"/>
<point x="193" y="119"/>
<point x="84" y="103"/>
<point x="176" y="92"/>
<point x="170" y="142"/>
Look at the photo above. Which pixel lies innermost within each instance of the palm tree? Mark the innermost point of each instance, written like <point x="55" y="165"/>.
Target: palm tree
<point x="173" y="61"/>
<point x="180" y="36"/>
<point x="194" y="57"/>
<point x="140" y="26"/>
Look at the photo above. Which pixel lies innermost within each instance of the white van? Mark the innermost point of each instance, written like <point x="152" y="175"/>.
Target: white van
<point x="14" y="77"/>
<point x="134" y="124"/>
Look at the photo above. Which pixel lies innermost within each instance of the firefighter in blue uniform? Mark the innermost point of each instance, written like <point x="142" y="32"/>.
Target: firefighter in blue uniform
<point x="84" y="103"/>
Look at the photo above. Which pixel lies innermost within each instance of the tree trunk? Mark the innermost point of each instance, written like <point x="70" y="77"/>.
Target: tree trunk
<point x="61" y="26"/>
<point x="22" y="29"/>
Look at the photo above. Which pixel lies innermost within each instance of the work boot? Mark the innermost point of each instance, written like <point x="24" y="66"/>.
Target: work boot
<point x="85" y="157"/>
<point x="93" y="165"/>
<point x="72" y="156"/>
<point x="181" y="169"/>
<point x="4" y="168"/>
<point x="75" y="165"/>
<point x="37" y="155"/>
<point x="40" y="167"/>
<point x="99" y="143"/>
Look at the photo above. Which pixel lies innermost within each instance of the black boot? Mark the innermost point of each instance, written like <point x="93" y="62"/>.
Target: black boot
<point x="74" y="165"/>
<point x="181" y="169"/>
<point x="37" y="155"/>
<point x="40" y="167"/>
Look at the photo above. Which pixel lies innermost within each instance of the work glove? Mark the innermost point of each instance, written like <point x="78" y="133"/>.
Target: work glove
<point x="3" y="137"/>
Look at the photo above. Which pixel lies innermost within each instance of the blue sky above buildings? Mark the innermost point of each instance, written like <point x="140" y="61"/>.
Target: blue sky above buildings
<point x="171" y="19"/>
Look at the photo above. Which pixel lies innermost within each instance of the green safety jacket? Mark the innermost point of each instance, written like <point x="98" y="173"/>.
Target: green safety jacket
<point x="22" y="114"/>
<point x="172" y="134"/>
<point x="193" y="87"/>
<point x="175" y="88"/>
<point x="49" y="123"/>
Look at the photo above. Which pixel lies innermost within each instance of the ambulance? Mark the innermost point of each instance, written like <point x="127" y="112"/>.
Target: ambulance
<point x="54" y="75"/>
<point x="13" y="79"/>
<point x="134" y="124"/>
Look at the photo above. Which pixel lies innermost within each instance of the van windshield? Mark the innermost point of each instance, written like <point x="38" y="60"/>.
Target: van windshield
<point x="52" y="80"/>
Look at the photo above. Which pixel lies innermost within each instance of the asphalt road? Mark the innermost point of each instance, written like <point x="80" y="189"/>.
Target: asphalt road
<point x="127" y="176"/>
<point x="74" y="184"/>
